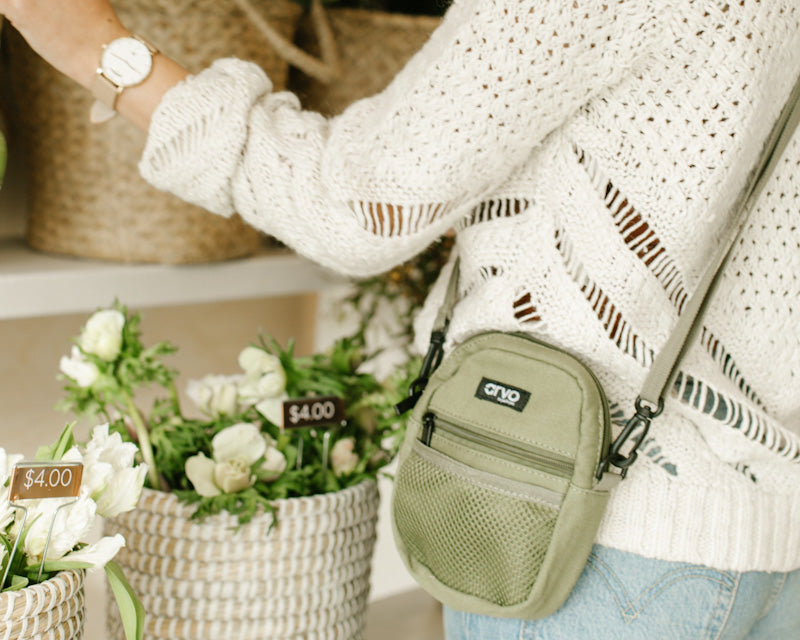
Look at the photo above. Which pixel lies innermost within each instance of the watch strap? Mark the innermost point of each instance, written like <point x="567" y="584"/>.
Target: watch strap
<point x="104" y="90"/>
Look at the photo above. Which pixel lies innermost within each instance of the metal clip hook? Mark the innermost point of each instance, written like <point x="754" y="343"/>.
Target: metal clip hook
<point x="639" y="421"/>
<point x="16" y="542"/>
<point x="49" y="536"/>
<point x="432" y="360"/>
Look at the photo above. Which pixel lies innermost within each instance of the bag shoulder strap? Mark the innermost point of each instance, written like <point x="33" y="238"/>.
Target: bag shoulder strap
<point x="664" y="369"/>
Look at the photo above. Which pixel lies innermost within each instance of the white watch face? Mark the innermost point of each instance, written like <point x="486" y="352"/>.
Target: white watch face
<point x="126" y="61"/>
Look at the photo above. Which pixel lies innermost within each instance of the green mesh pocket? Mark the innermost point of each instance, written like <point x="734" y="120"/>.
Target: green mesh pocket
<point x="478" y="534"/>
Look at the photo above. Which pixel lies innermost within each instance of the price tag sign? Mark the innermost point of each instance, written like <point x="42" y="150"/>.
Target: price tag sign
<point x="313" y="412"/>
<point x="36" y="480"/>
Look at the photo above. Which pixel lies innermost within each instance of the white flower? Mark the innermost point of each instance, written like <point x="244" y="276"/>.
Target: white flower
<point x="7" y="463"/>
<point x="264" y="376"/>
<point x="96" y="474"/>
<point x="200" y="471"/>
<point x="102" y="334"/>
<point x="99" y="553"/>
<point x="71" y="525"/>
<point x="109" y="476"/>
<point x="257" y="362"/>
<point x="343" y="458"/>
<point x="274" y="464"/>
<point x="233" y="475"/>
<point x="78" y="368"/>
<point x="7" y="515"/>
<point x="234" y="451"/>
<point x="272" y="408"/>
<point x="215" y="395"/>
<point x="109" y="447"/>
<point x="241" y="440"/>
<point x="122" y="492"/>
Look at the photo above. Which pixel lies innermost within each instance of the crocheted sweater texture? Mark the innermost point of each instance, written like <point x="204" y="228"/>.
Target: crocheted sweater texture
<point x="587" y="154"/>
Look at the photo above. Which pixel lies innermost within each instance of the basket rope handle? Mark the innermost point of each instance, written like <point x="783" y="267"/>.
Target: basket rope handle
<point x="326" y="68"/>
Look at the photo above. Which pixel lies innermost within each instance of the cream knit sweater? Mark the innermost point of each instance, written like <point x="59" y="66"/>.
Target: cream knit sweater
<point x="586" y="152"/>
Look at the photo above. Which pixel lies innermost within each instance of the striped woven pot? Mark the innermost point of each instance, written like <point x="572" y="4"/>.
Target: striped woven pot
<point x="307" y="578"/>
<point x="52" y="610"/>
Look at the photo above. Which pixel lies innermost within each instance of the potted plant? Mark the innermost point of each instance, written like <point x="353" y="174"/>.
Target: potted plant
<point x="43" y="549"/>
<point x="252" y="524"/>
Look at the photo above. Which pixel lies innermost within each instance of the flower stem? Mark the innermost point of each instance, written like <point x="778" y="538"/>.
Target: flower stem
<point x="173" y="395"/>
<point x="143" y="436"/>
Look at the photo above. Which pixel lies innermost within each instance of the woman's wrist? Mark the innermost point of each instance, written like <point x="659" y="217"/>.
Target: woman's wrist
<point x="86" y="58"/>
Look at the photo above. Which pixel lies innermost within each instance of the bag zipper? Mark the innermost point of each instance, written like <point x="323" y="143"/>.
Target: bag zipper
<point x="513" y="450"/>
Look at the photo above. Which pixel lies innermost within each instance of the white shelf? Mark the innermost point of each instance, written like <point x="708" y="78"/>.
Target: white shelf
<point x="36" y="284"/>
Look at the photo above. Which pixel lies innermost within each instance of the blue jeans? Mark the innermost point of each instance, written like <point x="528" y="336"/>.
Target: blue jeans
<point x="622" y="596"/>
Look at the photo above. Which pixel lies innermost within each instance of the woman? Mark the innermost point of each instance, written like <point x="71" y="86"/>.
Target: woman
<point x="586" y="153"/>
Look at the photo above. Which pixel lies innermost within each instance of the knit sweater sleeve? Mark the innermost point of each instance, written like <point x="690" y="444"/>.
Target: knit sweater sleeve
<point x="369" y="188"/>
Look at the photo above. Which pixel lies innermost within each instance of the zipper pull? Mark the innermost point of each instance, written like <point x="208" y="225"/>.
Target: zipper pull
<point x="428" y="424"/>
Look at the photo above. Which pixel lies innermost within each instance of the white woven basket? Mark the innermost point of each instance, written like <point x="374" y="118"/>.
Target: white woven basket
<point x="307" y="578"/>
<point x="52" y="610"/>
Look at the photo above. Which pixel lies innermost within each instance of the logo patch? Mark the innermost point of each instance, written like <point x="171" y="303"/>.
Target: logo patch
<point x="503" y="394"/>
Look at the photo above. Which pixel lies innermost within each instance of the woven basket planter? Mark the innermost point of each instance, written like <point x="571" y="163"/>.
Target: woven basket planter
<point x="85" y="195"/>
<point x="307" y="578"/>
<point x="372" y="47"/>
<point x="52" y="610"/>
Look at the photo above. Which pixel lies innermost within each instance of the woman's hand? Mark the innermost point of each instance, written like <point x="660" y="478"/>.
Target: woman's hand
<point x="68" y="34"/>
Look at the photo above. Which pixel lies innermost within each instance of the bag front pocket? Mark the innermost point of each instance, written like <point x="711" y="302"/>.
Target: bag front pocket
<point x="477" y="533"/>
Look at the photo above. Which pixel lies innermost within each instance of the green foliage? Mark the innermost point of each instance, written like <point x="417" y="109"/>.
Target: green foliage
<point x="56" y="451"/>
<point x="130" y="609"/>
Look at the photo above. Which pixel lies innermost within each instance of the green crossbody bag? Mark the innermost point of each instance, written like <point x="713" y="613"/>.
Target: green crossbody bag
<point x="508" y="460"/>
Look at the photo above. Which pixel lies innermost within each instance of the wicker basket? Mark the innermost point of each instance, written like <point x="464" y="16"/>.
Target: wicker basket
<point x="372" y="47"/>
<point x="86" y="197"/>
<point x="307" y="578"/>
<point x="52" y="610"/>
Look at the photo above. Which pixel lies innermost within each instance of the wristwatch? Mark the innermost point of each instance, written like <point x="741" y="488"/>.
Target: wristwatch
<point x="125" y="62"/>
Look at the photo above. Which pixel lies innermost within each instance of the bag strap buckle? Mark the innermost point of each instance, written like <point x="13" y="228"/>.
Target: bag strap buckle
<point x="639" y="422"/>
<point x="433" y="359"/>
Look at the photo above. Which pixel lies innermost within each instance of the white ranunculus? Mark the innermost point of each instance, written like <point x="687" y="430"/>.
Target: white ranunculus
<point x="7" y="462"/>
<point x="200" y="471"/>
<point x="242" y="440"/>
<point x="257" y="362"/>
<point x="272" y="409"/>
<point x="343" y="457"/>
<point x="71" y="525"/>
<point x="99" y="553"/>
<point x="122" y="492"/>
<point x="274" y="464"/>
<point x="110" y="448"/>
<point x="77" y="367"/>
<point x="233" y="475"/>
<point x="109" y="476"/>
<point x="7" y="515"/>
<point x="215" y="395"/>
<point x="102" y="334"/>
<point x="95" y="476"/>
<point x="234" y="451"/>
<point x="264" y="376"/>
